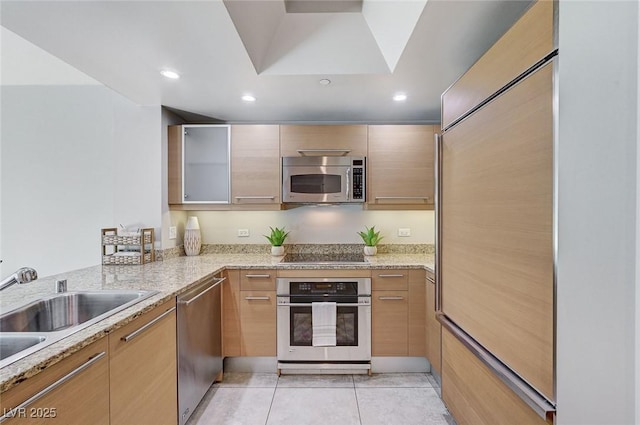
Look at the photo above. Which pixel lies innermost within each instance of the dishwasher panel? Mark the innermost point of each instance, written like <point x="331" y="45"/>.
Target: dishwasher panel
<point x="199" y="335"/>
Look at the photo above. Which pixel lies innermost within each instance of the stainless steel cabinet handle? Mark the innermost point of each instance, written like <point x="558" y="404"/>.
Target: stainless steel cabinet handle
<point x="303" y="151"/>
<point x="255" y="197"/>
<point x="13" y="411"/>
<point x="147" y="326"/>
<point x="257" y="276"/>
<point x="431" y="280"/>
<point x="437" y="170"/>
<point x="257" y="298"/>
<point x="426" y="198"/>
<point x="391" y="298"/>
<point x="337" y="305"/>
<point x="203" y="292"/>
<point x="390" y="275"/>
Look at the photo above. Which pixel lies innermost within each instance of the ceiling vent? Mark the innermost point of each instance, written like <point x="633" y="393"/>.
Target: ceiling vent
<point x="323" y="6"/>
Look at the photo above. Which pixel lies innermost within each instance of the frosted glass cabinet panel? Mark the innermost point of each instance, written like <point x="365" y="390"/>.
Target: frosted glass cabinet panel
<point x="206" y="164"/>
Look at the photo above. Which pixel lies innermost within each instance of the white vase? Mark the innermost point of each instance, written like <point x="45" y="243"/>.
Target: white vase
<point x="192" y="238"/>
<point x="277" y="250"/>
<point x="370" y="250"/>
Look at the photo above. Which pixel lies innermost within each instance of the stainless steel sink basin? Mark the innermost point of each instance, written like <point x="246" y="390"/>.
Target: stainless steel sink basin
<point x="42" y="322"/>
<point x="15" y="343"/>
<point x="65" y="310"/>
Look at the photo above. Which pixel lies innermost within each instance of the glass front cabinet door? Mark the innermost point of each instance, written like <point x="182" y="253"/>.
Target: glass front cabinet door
<point x="204" y="176"/>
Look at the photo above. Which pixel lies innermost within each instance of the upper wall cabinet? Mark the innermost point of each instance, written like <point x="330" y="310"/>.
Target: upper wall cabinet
<point x="308" y="140"/>
<point x="400" y="167"/>
<point x="199" y="164"/>
<point x="255" y="166"/>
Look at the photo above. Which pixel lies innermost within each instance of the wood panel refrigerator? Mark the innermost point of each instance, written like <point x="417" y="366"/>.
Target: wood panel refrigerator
<point x="496" y="232"/>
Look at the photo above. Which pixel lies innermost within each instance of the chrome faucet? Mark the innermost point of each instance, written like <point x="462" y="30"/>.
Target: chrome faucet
<point x="23" y="275"/>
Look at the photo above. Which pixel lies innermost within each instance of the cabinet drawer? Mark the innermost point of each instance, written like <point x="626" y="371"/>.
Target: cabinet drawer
<point x="466" y="384"/>
<point x="258" y="280"/>
<point x="386" y="280"/>
<point x="528" y="41"/>
<point x="74" y="391"/>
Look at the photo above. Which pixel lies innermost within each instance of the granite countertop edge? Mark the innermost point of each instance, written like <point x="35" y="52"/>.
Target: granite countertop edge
<point x="169" y="278"/>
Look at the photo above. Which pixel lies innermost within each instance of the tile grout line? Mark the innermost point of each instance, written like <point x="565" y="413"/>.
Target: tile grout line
<point x="355" y="393"/>
<point x="272" y="398"/>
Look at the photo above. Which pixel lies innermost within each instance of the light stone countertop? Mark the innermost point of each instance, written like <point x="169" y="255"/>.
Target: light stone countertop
<point x="170" y="278"/>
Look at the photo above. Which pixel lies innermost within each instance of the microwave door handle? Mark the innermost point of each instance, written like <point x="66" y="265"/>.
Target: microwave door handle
<point x="348" y="184"/>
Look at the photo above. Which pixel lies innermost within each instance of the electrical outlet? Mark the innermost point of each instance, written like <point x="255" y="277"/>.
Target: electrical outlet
<point x="404" y="232"/>
<point x="173" y="232"/>
<point x="243" y="233"/>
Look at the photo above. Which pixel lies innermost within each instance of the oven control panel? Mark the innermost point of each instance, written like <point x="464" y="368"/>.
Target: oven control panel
<point x="321" y="288"/>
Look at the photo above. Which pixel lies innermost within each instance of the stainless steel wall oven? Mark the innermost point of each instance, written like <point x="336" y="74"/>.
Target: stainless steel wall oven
<point x="352" y="298"/>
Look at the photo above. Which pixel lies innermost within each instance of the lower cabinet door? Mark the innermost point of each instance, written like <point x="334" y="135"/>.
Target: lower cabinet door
<point x="258" y="323"/>
<point x="72" y="392"/>
<point x="143" y="369"/>
<point x="389" y="323"/>
<point x="433" y="328"/>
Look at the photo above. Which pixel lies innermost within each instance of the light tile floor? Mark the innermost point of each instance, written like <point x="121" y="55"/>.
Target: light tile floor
<point x="381" y="399"/>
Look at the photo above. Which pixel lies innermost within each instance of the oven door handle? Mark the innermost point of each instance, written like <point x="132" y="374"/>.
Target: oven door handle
<point x="309" y="305"/>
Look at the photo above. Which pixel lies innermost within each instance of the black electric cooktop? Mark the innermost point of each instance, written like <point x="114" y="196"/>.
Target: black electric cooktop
<point x="324" y="259"/>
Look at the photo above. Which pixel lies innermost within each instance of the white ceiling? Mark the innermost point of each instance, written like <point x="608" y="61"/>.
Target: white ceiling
<point x="225" y="49"/>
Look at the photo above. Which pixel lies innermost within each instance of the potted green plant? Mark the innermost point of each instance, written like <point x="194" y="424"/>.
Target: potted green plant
<point x="276" y="239"/>
<point x="371" y="239"/>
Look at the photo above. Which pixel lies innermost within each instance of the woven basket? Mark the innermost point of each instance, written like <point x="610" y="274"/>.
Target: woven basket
<point x="126" y="259"/>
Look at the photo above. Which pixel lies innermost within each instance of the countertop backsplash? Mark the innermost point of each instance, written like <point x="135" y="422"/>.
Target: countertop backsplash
<point x="297" y="249"/>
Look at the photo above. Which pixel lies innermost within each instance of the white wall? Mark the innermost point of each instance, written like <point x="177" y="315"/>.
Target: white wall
<point x="137" y="166"/>
<point x="57" y="176"/>
<point x="596" y="356"/>
<point x="331" y="224"/>
<point x="169" y="218"/>
<point x="74" y="159"/>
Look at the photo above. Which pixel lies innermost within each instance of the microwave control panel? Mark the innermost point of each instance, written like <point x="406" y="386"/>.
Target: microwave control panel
<point x="358" y="179"/>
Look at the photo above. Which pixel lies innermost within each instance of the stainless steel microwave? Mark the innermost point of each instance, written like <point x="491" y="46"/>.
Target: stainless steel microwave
<point x="323" y="179"/>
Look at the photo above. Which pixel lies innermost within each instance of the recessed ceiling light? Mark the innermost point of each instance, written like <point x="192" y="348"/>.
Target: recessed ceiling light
<point x="248" y="98"/>
<point x="325" y="82"/>
<point x="170" y="74"/>
<point x="400" y="97"/>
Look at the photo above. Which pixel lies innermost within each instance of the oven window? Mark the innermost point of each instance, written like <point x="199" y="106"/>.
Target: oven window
<point x="301" y="326"/>
<point x="316" y="183"/>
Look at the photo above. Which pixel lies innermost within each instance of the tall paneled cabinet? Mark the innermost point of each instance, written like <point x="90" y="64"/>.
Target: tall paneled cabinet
<point x="496" y="230"/>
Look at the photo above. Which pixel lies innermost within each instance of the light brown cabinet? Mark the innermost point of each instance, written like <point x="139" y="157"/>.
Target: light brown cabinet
<point x="249" y="313"/>
<point x="475" y="395"/>
<point x="143" y="370"/>
<point x="398" y="313"/>
<point x="432" y="326"/>
<point x="231" y="314"/>
<point x="400" y="167"/>
<point x="72" y="392"/>
<point x="313" y="140"/>
<point x="255" y="166"/>
<point x="417" y="311"/>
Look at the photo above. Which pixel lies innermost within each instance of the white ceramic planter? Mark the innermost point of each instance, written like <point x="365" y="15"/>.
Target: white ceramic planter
<point x="277" y="250"/>
<point x="192" y="238"/>
<point x="370" y="250"/>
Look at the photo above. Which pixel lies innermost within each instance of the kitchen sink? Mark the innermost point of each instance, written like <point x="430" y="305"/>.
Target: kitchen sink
<point x="42" y="322"/>
<point x="65" y="310"/>
<point x="14" y="343"/>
